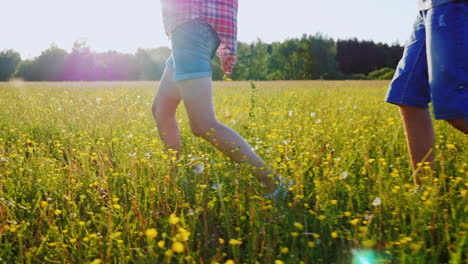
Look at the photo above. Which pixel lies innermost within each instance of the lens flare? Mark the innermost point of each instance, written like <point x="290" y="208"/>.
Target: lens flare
<point x="364" y="256"/>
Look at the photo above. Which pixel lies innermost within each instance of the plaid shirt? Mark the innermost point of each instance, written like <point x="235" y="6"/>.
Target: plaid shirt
<point x="220" y="14"/>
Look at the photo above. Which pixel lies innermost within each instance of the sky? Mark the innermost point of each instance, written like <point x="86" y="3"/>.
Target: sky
<point x="31" y="26"/>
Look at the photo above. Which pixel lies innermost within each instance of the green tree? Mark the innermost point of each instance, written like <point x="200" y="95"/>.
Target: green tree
<point x="9" y="60"/>
<point x="27" y="70"/>
<point x="318" y="57"/>
<point x="252" y="61"/>
<point x="50" y="64"/>
<point x="150" y="63"/>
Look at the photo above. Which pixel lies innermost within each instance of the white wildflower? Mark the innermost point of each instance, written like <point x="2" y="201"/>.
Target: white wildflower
<point x="344" y="175"/>
<point x="216" y="186"/>
<point x="377" y="201"/>
<point x="198" y="168"/>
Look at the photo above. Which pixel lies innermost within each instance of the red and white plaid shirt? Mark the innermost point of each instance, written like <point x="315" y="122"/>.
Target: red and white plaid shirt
<point x="220" y="14"/>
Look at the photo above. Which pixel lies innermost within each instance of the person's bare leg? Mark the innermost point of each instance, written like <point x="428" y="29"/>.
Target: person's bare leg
<point x="198" y="101"/>
<point x="419" y="135"/>
<point x="164" y="110"/>
<point x="460" y="124"/>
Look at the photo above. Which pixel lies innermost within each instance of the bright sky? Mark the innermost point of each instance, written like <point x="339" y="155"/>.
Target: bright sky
<point x="31" y="26"/>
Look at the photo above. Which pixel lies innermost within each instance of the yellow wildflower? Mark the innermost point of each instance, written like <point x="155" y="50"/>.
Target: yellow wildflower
<point x="151" y="233"/>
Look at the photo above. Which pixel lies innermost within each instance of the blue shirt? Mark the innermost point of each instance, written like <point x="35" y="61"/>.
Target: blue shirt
<point x="428" y="4"/>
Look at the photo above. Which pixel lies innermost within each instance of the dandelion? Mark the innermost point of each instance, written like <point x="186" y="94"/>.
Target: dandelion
<point x="151" y="233"/>
<point x="161" y="244"/>
<point x="230" y="261"/>
<point x="96" y="261"/>
<point x="334" y="234"/>
<point x="312" y="114"/>
<point x="450" y="146"/>
<point x="235" y="242"/>
<point x="318" y="121"/>
<point x="377" y="201"/>
<point x="183" y="234"/>
<point x="299" y="226"/>
<point x="279" y="261"/>
<point x="178" y="247"/>
<point x="284" y="250"/>
<point x="173" y="219"/>
<point x="369" y="243"/>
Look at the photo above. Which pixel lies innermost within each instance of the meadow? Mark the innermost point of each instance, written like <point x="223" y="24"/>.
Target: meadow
<point x="84" y="178"/>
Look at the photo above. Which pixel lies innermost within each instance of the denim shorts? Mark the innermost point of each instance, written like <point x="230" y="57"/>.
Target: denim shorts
<point x="194" y="45"/>
<point x="434" y="66"/>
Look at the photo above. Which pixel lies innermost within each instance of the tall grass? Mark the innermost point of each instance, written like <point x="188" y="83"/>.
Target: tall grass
<point x="85" y="179"/>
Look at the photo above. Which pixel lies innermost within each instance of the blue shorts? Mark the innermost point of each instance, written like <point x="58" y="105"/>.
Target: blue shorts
<point x="194" y="45"/>
<point x="434" y="66"/>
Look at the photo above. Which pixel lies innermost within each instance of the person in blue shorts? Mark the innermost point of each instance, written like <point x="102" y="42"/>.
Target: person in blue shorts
<point x="434" y="68"/>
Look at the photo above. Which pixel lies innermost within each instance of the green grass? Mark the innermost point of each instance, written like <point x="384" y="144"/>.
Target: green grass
<point x="85" y="179"/>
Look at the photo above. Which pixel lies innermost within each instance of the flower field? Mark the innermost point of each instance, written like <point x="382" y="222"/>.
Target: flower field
<point x="84" y="178"/>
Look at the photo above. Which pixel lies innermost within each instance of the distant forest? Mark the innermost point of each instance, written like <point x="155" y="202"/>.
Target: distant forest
<point x="306" y="58"/>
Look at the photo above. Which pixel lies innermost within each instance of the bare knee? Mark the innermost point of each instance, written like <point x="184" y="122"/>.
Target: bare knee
<point x="157" y="111"/>
<point x="459" y="123"/>
<point x="164" y="109"/>
<point x="203" y="129"/>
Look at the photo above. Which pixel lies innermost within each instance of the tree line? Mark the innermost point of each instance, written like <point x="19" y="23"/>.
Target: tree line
<point x="306" y="58"/>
